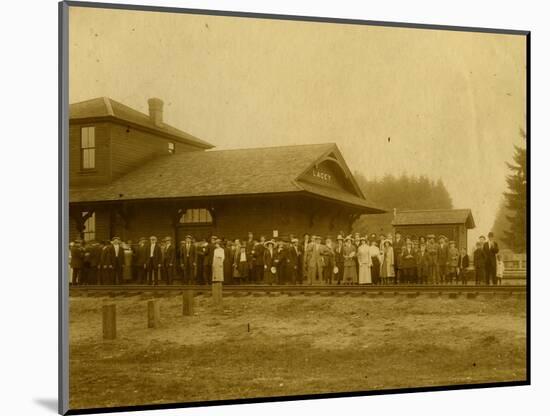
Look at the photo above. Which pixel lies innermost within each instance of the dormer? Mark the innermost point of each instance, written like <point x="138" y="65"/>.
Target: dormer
<point x="108" y="139"/>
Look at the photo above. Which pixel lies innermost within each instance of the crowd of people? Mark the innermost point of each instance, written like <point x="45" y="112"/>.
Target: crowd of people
<point x="374" y="259"/>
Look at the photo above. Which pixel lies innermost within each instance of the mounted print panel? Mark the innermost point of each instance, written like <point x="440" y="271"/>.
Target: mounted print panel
<point x="268" y="208"/>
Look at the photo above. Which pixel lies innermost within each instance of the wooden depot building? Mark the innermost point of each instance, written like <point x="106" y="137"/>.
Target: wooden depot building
<point x="132" y="175"/>
<point x="452" y="223"/>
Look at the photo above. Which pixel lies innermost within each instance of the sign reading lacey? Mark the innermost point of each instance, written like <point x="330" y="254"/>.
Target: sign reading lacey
<point x="321" y="175"/>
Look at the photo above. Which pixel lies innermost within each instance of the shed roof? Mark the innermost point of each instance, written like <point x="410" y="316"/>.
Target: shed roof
<point x="435" y="216"/>
<point x="107" y="108"/>
<point x="271" y="170"/>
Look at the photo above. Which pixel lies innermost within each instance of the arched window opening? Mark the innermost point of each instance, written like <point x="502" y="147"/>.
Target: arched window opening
<point x="196" y="216"/>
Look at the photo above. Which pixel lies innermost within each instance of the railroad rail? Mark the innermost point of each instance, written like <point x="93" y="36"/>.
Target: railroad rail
<point x="238" y="290"/>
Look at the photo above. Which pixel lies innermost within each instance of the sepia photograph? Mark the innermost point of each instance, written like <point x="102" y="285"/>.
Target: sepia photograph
<point x="266" y="208"/>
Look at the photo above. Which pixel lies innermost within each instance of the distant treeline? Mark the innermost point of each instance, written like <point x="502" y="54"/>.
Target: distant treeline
<point x="403" y="192"/>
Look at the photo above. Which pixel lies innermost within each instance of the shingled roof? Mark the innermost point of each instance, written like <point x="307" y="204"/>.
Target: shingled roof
<point x="435" y="216"/>
<point x="107" y="108"/>
<point x="271" y="170"/>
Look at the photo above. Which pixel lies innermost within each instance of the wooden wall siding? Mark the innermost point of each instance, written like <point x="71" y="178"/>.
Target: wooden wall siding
<point x="232" y="219"/>
<point x="453" y="232"/>
<point x="102" y="172"/>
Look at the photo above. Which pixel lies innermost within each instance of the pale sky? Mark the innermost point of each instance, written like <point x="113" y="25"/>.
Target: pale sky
<point x="451" y="102"/>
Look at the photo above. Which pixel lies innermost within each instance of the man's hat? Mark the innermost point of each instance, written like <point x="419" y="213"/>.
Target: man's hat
<point x="142" y="239"/>
<point x="294" y="240"/>
<point x="189" y="236"/>
<point x="115" y="238"/>
<point x="430" y="236"/>
<point x="452" y="242"/>
<point x="167" y="238"/>
<point x="348" y="238"/>
<point x="339" y="237"/>
<point x="442" y="237"/>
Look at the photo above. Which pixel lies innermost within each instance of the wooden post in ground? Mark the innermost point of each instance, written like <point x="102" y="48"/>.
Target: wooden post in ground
<point x="109" y="321"/>
<point x="188" y="302"/>
<point x="153" y="313"/>
<point x="217" y="293"/>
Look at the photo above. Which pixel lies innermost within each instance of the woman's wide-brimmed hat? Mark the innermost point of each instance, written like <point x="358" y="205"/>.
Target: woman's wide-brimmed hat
<point x="269" y="242"/>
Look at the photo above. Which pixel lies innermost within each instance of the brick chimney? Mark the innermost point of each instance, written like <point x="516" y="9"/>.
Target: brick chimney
<point x="155" y="110"/>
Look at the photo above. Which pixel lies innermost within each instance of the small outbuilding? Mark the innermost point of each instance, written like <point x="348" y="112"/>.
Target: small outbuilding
<point x="452" y="223"/>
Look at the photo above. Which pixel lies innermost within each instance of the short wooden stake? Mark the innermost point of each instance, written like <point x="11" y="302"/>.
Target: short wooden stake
<point x="217" y="293"/>
<point x="109" y="321"/>
<point x="188" y="302"/>
<point x="153" y="313"/>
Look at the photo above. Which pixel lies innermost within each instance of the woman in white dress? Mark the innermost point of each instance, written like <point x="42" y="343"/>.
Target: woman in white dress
<point x="217" y="262"/>
<point x="365" y="262"/>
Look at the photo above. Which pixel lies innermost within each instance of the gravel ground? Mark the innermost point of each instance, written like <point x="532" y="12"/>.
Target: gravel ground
<point x="288" y="345"/>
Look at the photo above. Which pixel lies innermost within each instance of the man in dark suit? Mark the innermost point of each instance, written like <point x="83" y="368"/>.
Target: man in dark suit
<point x="141" y="259"/>
<point x="112" y="260"/>
<point x="168" y="260"/>
<point x="250" y="251"/>
<point x="77" y="262"/>
<point x="117" y="259"/>
<point x="93" y="250"/>
<point x="398" y="246"/>
<point x="491" y="249"/>
<point x="282" y="255"/>
<point x="293" y="260"/>
<point x="328" y="261"/>
<point x="154" y="261"/>
<point x="339" y="258"/>
<point x="259" y="260"/>
<point x="188" y="260"/>
<point x="480" y="263"/>
<point x="422" y="264"/>
<point x="442" y="260"/>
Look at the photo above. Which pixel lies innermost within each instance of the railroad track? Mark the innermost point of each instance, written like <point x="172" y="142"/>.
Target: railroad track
<point x="373" y="290"/>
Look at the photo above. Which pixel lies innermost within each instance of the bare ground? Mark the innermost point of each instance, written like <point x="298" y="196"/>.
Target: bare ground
<point x="296" y="345"/>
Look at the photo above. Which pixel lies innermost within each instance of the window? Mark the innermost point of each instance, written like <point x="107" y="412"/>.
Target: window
<point x="87" y="147"/>
<point x="171" y="148"/>
<point x="196" y="216"/>
<point x="89" y="226"/>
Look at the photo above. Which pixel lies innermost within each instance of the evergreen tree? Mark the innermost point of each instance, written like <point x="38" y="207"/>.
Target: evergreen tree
<point x="516" y="200"/>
